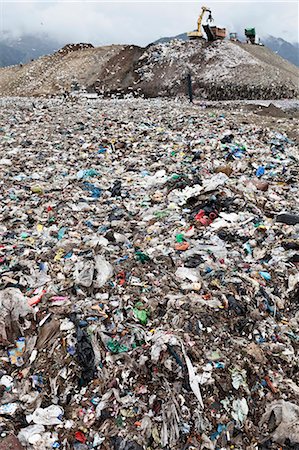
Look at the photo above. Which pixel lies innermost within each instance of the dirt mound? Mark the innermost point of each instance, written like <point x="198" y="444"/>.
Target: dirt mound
<point x="271" y="111"/>
<point x="220" y="71"/>
<point x="54" y="74"/>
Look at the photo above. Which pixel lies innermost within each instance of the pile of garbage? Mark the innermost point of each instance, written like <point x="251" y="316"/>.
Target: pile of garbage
<point x="149" y="278"/>
<point x="221" y="70"/>
<point x="74" y="48"/>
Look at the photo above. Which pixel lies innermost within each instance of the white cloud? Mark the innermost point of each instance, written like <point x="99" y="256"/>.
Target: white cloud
<point x="142" y="22"/>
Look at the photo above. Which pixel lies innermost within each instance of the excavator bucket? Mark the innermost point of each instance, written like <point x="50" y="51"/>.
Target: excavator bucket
<point x="209" y="33"/>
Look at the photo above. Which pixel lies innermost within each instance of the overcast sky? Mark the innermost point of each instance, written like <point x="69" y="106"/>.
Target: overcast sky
<point x="141" y="22"/>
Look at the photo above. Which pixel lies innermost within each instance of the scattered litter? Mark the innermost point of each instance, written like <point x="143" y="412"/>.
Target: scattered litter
<point x="149" y="277"/>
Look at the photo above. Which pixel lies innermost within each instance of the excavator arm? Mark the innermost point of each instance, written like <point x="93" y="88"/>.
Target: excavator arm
<point x="198" y="34"/>
<point x="204" y="9"/>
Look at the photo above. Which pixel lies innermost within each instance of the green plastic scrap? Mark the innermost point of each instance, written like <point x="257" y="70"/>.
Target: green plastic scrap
<point x="116" y="347"/>
<point x="142" y="257"/>
<point x="180" y="238"/>
<point x="161" y="214"/>
<point x="140" y="314"/>
<point x="119" y="421"/>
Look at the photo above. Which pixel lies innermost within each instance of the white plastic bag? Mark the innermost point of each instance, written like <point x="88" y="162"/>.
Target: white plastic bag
<point x="47" y="416"/>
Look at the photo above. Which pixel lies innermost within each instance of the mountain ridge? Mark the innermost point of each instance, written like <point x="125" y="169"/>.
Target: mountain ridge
<point x="22" y="49"/>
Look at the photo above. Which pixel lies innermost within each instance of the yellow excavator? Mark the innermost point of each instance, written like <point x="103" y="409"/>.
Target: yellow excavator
<point x="198" y="33"/>
<point x="213" y="33"/>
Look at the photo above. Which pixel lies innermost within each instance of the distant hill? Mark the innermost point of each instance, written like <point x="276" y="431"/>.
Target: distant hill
<point x="182" y="37"/>
<point x="285" y="49"/>
<point x="9" y="55"/>
<point x="16" y="50"/>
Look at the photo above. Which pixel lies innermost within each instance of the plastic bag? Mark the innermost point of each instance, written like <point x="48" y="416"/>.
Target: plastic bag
<point x="104" y="271"/>
<point x="31" y="434"/>
<point x="85" y="353"/>
<point x="84" y="272"/>
<point x="52" y="415"/>
<point x="286" y="417"/>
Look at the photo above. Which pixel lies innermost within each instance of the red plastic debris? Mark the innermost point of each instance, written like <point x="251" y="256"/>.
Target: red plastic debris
<point x="79" y="436"/>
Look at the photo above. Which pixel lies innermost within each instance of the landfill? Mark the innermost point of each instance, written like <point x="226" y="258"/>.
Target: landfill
<point x="149" y="276"/>
<point x="220" y="70"/>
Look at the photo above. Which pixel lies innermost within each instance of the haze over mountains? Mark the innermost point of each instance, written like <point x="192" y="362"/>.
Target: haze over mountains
<point x="285" y="49"/>
<point x="16" y="50"/>
<point x="22" y="49"/>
